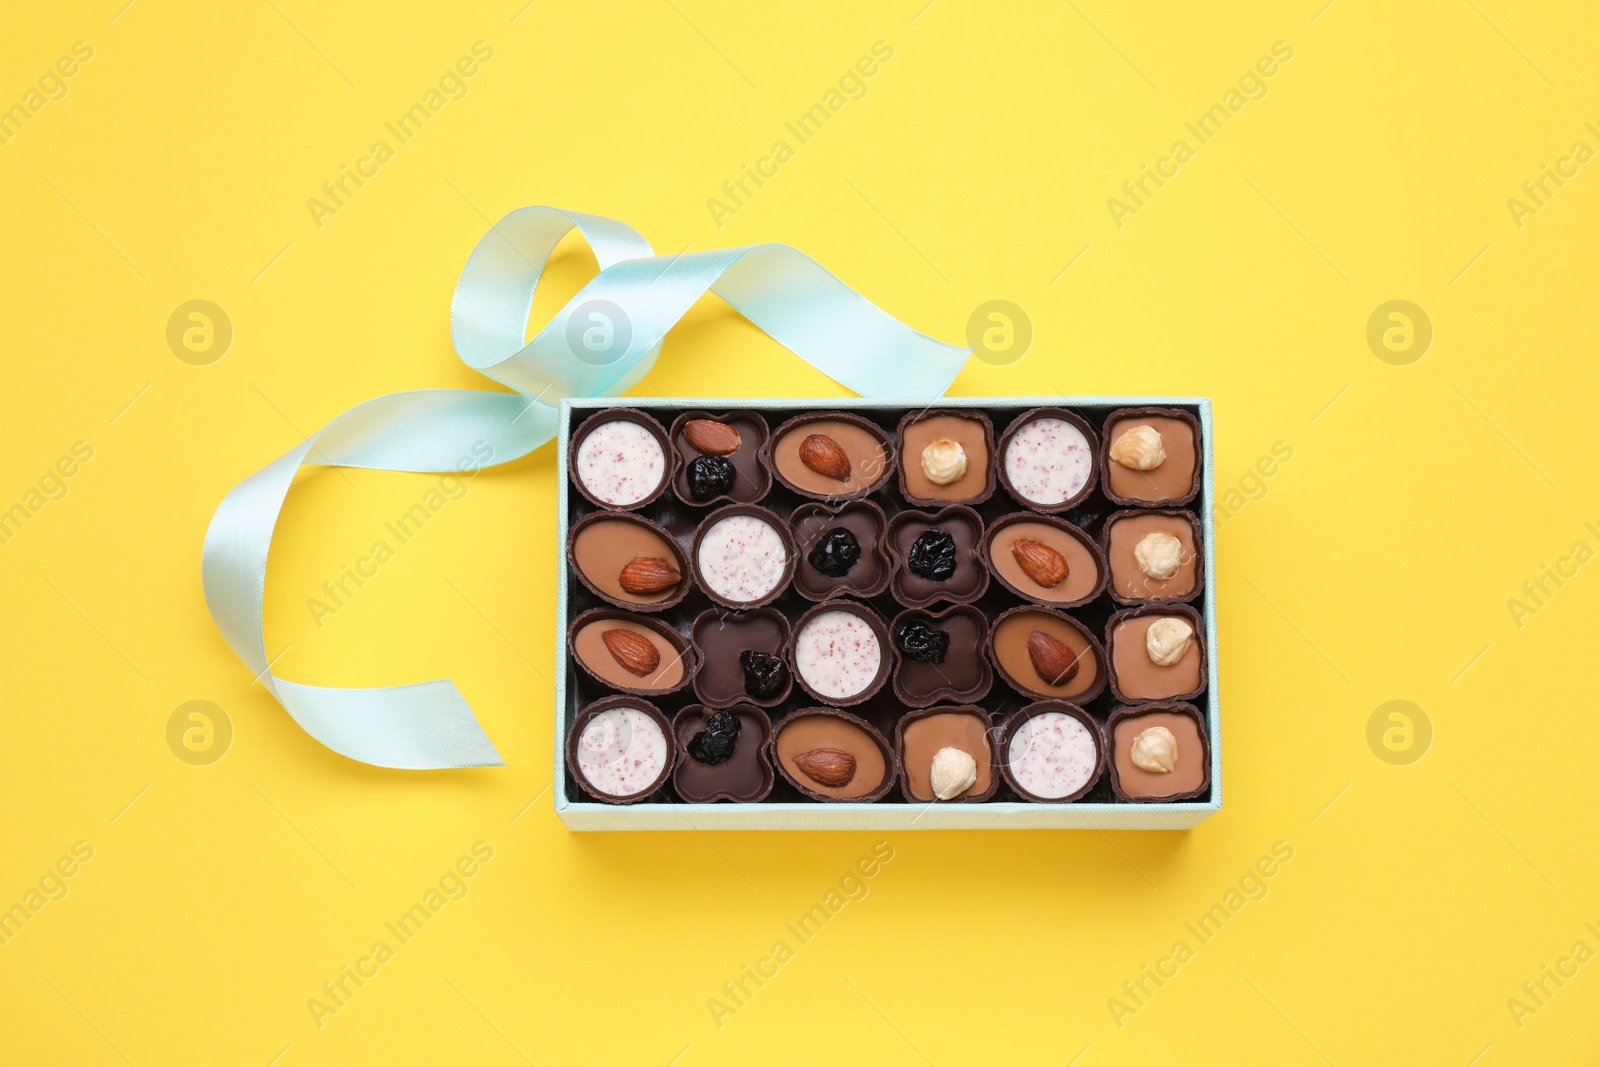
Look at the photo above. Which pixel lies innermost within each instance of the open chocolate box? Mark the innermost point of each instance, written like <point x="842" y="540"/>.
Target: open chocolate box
<point x="1019" y="614"/>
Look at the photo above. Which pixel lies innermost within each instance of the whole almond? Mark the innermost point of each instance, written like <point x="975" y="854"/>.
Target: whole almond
<point x="710" y="437"/>
<point x="827" y="766"/>
<point x="825" y="456"/>
<point x="633" y="653"/>
<point x="1046" y="566"/>
<point x="647" y="575"/>
<point x="1055" y="663"/>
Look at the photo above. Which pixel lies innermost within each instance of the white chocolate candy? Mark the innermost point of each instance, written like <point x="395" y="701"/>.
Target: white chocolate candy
<point x="742" y="558"/>
<point x="836" y="653"/>
<point x="621" y="751"/>
<point x="1052" y="755"/>
<point x="1048" y="461"/>
<point x="620" y="462"/>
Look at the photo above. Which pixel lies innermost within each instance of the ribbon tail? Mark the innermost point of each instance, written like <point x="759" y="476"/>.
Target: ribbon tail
<point x="420" y="727"/>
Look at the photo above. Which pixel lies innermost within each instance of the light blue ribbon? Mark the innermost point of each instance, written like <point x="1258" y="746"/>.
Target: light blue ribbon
<point x="635" y="299"/>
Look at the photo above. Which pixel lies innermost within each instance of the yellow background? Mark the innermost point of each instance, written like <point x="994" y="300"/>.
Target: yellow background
<point x="1377" y="566"/>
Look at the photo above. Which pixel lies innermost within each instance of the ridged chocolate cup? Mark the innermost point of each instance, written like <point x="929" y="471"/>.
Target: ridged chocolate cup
<point x="1175" y="707"/>
<point x="818" y="587"/>
<point x="1191" y="616"/>
<point x="685" y="582"/>
<point x="748" y="454"/>
<point x="1089" y="436"/>
<point x="835" y="416"/>
<point x="891" y="762"/>
<point x="953" y="513"/>
<point x="706" y="686"/>
<point x="685" y="651"/>
<point x="1097" y="687"/>
<point x="1106" y="461"/>
<point x="770" y="519"/>
<point x="1002" y="756"/>
<point x="683" y="732"/>
<point x="605" y="415"/>
<point x="971" y="415"/>
<point x="888" y="658"/>
<point x="1055" y="522"/>
<point x="947" y="709"/>
<point x="904" y="662"/>
<point x="588" y="712"/>
<point x="1199" y="555"/>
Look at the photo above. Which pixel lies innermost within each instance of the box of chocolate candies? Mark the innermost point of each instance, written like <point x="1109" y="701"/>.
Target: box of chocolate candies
<point x="849" y="614"/>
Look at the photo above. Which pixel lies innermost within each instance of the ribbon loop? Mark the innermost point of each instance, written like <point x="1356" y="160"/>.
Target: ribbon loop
<point x="601" y="343"/>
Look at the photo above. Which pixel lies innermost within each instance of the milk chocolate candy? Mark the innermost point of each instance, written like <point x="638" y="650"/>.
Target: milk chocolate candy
<point x="1190" y="776"/>
<point x="616" y="662"/>
<point x="1130" y="584"/>
<point x="1010" y="547"/>
<point x="819" y="738"/>
<point x="925" y="476"/>
<point x="1136" y="676"/>
<point x="868" y="456"/>
<point x="604" y="544"/>
<point x="1175" y="480"/>
<point x="921" y="735"/>
<point x="1012" y="648"/>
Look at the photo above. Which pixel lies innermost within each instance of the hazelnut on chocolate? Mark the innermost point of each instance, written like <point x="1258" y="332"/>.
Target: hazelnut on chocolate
<point x="1155" y="750"/>
<point x="1139" y="448"/>
<point x="944" y="461"/>
<point x="1167" y="640"/>
<point x="1159" y="555"/>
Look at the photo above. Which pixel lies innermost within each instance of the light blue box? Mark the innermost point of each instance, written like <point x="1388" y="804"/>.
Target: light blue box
<point x="590" y="815"/>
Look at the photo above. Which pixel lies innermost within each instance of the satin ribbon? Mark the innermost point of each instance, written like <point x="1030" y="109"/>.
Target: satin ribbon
<point x="600" y="344"/>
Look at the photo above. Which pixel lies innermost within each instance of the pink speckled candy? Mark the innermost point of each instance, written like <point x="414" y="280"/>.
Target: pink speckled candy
<point x="621" y="751"/>
<point x="1052" y="755"/>
<point x="837" y="654"/>
<point x="620" y="462"/>
<point x="742" y="558"/>
<point x="1048" y="461"/>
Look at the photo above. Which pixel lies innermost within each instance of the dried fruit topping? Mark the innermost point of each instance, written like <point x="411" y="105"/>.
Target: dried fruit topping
<point x="714" y="744"/>
<point x="709" y="476"/>
<point x="764" y="674"/>
<point x="1040" y="562"/>
<point x="648" y="575"/>
<point x="1055" y="663"/>
<point x="836" y="553"/>
<point x="825" y="456"/>
<point x="922" y="642"/>
<point x="831" y="767"/>
<point x="633" y="652"/>
<point x="711" y="437"/>
<point x="933" y="555"/>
